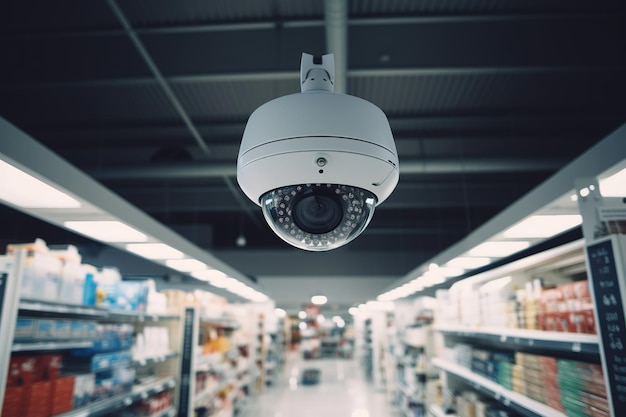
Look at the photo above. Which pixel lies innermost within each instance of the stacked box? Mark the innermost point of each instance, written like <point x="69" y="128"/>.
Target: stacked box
<point x="62" y="394"/>
<point x="496" y="366"/>
<point x="567" y="308"/>
<point x="552" y="390"/>
<point x="29" y="385"/>
<point x="466" y="404"/>
<point x="583" y="391"/>
<point x="462" y="354"/>
<point x="529" y="378"/>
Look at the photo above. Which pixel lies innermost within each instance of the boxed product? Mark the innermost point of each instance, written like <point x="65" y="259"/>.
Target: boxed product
<point x="96" y="362"/>
<point x="25" y="328"/>
<point x="124" y="295"/>
<point x="62" y="394"/>
<point x="38" y="399"/>
<point x="84" y="385"/>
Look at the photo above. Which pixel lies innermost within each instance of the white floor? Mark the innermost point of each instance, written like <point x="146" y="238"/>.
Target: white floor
<point x="342" y="392"/>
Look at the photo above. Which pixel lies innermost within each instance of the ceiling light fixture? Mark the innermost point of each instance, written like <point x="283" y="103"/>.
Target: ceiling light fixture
<point x="467" y="262"/>
<point x="498" y="249"/>
<point x="543" y="226"/>
<point x="319" y="299"/>
<point x="107" y="231"/>
<point x="25" y="191"/>
<point x="185" y="265"/>
<point x="615" y="185"/>
<point x="154" y="250"/>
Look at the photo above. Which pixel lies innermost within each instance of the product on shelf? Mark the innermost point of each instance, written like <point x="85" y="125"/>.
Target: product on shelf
<point x="567" y="308"/>
<point x="116" y="294"/>
<point x="42" y="271"/>
<point x="35" y="388"/>
<point x="72" y="284"/>
<point x="573" y="387"/>
<point x="151" y="341"/>
<point x="38" y="329"/>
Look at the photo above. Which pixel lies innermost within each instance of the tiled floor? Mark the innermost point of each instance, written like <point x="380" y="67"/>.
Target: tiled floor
<point x="341" y="392"/>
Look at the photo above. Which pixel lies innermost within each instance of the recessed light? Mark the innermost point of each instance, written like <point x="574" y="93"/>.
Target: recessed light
<point x="107" y="231"/>
<point x="154" y="250"/>
<point x="498" y="249"/>
<point x="23" y="190"/>
<point x="185" y="265"/>
<point x="615" y="185"/>
<point x="542" y="226"/>
<point x="468" y="262"/>
<point x="319" y="299"/>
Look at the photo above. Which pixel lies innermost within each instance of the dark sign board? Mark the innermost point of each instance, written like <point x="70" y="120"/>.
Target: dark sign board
<point x="611" y="323"/>
<point x="187" y="354"/>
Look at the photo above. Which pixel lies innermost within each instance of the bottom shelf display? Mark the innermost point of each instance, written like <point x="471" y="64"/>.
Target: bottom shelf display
<point x="139" y="393"/>
<point x="517" y="402"/>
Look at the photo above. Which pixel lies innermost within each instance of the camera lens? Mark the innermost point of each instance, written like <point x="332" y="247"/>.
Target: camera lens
<point x="317" y="213"/>
<point x="318" y="217"/>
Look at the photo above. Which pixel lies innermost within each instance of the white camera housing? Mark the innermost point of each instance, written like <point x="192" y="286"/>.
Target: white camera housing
<point x="320" y="141"/>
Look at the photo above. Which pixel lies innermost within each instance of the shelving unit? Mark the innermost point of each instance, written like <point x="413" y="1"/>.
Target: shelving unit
<point x="109" y="405"/>
<point x="517" y="402"/>
<point x="211" y="359"/>
<point x="536" y="339"/>
<point x="157" y="373"/>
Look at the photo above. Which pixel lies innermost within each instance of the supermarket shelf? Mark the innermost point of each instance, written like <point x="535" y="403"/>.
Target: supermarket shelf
<point x="405" y="390"/>
<point x="220" y="322"/>
<point x="37" y="346"/>
<point x="139" y="316"/>
<point x="154" y="359"/>
<point x="436" y="411"/>
<point x="513" y="400"/>
<point x="108" y="405"/>
<point x="412" y="343"/>
<point x="208" y="393"/>
<point x="39" y="307"/>
<point x="536" y="339"/>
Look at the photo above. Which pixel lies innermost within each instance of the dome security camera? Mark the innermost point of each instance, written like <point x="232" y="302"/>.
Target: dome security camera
<point x="317" y="162"/>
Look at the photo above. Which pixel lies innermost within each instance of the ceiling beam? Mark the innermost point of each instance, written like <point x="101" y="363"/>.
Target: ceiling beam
<point x="272" y="24"/>
<point x="415" y="166"/>
<point x="291" y="75"/>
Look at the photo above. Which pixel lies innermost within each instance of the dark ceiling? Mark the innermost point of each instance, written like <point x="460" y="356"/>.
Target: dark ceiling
<point x="485" y="98"/>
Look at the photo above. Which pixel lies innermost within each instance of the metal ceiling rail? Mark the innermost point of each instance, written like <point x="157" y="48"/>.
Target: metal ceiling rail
<point x="128" y="29"/>
<point x="336" y="18"/>
<point x="279" y="21"/>
<point x="292" y="75"/>
<point x="415" y="166"/>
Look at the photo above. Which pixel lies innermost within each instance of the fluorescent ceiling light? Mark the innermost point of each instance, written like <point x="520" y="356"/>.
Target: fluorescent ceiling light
<point x="543" y="226"/>
<point x="210" y="275"/>
<point x="615" y="185"/>
<point x="353" y="311"/>
<point x="154" y="250"/>
<point x="448" y="271"/>
<point x="301" y="315"/>
<point x="185" y="265"/>
<point x="280" y="313"/>
<point x="107" y="231"/>
<point x="467" y="262"/>
<point x="496" y="284"/>
<point x="498" y="249"/>
<point x="26" y="191"/>
<point x="319" y="299"/>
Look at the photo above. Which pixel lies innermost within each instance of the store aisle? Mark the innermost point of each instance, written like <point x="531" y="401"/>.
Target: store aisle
<point x="342" y="392"/>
